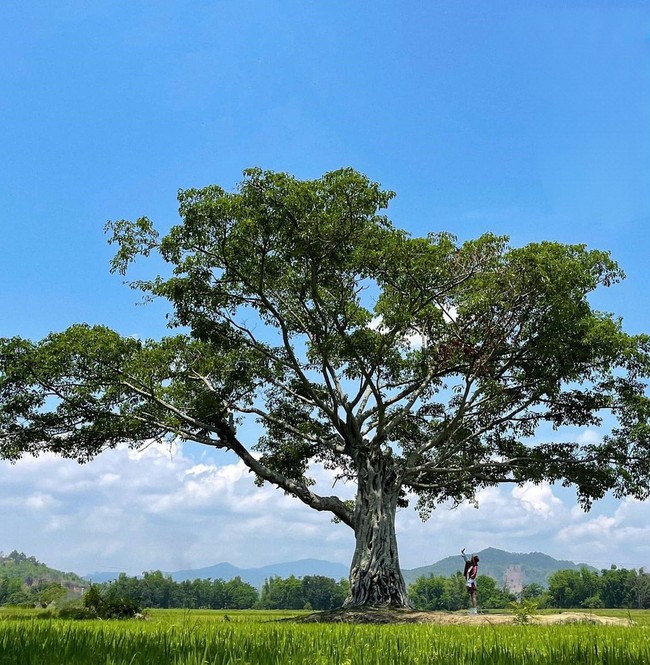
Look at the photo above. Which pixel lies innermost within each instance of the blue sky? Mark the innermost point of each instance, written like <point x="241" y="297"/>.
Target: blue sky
<point x="530" y="119"/>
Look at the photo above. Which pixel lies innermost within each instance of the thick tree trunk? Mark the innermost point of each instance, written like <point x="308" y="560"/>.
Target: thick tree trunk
<point x="375" y="576"/>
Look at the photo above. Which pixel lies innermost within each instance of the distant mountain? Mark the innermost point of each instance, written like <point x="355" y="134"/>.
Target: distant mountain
<point x="219" y="571"/>
<point x="101" y="577"/>
<point x="254" y="576"/>
<point x="532" y="567"/>
<point x="535" y="566"/>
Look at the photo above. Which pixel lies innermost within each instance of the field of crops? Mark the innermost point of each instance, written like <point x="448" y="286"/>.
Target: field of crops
<point x="256" y="638"/>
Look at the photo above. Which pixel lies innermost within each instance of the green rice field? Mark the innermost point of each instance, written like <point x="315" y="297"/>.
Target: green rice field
<point x="257" y="638"/>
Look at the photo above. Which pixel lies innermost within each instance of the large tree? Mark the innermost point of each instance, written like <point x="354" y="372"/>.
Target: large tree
<point x="417" y="368"/>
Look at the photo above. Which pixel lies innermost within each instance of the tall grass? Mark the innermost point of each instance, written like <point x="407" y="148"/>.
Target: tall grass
<point x="211" y="639"/>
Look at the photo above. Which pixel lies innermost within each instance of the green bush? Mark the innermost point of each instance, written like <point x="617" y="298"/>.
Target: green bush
<point x="523" y="611"/>
<point x="76" y="612"/>
<point x="108" y="604"/>
<point x="593" y="602"/>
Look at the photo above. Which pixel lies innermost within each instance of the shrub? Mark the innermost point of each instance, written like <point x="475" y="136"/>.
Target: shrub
<point x="106" y="605"/>
<point x="523" y="611"/>
<point x="76" y="612"/>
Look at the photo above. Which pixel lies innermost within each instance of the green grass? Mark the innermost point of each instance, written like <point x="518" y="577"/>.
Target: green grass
<point x="256" y="638"/>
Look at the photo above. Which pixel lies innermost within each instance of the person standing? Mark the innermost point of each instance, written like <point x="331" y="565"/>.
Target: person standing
<point x="470" y="573"/>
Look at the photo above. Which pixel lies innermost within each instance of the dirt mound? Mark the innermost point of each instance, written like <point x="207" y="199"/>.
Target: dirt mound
<point x="392" y="616"/>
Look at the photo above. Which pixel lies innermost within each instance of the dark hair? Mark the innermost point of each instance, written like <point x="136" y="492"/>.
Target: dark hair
<point x="475" y="558"/>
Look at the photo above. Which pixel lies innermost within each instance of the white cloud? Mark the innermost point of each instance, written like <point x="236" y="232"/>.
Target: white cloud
<point x="624" y="532"/>
<point x="532" y="518"/>
<point x="450" y="314"/>
<point x="39" y="501"/>
<point x="157" y="508"/>
<point x="599" y="530"/>
<point x="174" y="509"/>
<point x="537" y="500"/>
<point x="589" y="436"/>
<point x="415" y="339"/>
<point x="199" y="469"/>
<point x="377" y="324"/>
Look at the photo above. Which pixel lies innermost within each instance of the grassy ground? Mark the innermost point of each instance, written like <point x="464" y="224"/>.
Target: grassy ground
<point x="177" y="637"/>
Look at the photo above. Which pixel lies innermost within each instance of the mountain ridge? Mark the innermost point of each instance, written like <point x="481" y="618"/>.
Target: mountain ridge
<point x="535" y="567"/>
<point x="30" y="571"/>
<point x="255" y="576"/>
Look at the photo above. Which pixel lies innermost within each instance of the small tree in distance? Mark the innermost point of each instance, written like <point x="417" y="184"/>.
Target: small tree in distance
<point x="417" y="368"/>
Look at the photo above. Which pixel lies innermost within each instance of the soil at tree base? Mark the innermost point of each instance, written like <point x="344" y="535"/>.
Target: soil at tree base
<point x="395" y="616"/>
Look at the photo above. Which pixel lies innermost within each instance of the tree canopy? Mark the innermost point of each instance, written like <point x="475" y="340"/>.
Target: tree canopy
<point x="418" y="368"/>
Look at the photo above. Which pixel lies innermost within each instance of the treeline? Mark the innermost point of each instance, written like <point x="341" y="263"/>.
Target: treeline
<point x="156" y="590"/>
<point x="26" y="581"/>
<point x="613" y="588"/>
<point x="312" y="592"/>
<point x="39" y="593"/>
<point x="567" y="589"/>
<point x="616" y="587"/>
<point x="436" y="592"/>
